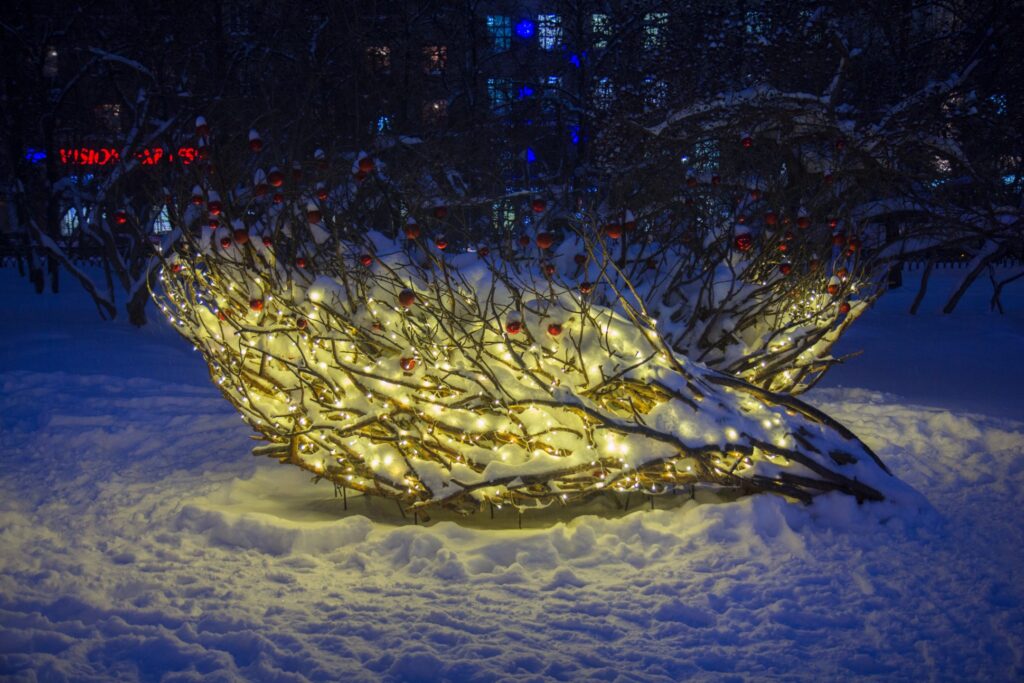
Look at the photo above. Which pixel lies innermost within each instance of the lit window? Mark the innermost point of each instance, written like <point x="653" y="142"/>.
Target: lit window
<point x="162" y="222"/>
<point x="70" y="222"/>
<point x="436" y="58"/>
<point x="706" y="155"/>
<point x="379" y="57"/>
<point x="503" y="215"/>
<point x="757" y="23"/>
<point x="500" y="29"/>
<point x="499" y="93"/>
<point x="602" y="27"/>
<point x="654" y="30"/>
<point x="604" y="93"/>
<point x="435" y="111"/>
<point x="655" y="93"/>
<point x="999" y="100"/>
<point x="549" y="31"/>
<point x="383" y="124"/>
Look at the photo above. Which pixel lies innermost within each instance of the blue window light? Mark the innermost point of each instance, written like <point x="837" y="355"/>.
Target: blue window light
<point x="525" y="29"/>
<point x="531" y="156"/>
<point x="500" y="28"/>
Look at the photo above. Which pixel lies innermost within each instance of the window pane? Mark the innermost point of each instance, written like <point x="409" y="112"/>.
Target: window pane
<point x="435" y="59"/>
<point x="500" y="28"/>
<point x="549" y="31"/>
<point x="499" y="93"/>
<point x="654" y="29"/>
<point x="604" y="93"/>
<point x="602" y="28"/>
<point x="379" y="57"/>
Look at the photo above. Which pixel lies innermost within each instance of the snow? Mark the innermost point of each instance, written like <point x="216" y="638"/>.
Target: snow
<point x="140" y="541"/>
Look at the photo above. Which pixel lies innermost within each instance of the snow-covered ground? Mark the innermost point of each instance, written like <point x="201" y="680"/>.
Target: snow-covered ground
<point x="139" y="540"/>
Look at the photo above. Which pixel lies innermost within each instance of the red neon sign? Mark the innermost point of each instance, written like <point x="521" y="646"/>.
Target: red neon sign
<point x="108" y="156"/>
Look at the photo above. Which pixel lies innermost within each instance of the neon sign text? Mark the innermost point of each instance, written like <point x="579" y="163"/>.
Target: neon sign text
<point x="108" y="156"/>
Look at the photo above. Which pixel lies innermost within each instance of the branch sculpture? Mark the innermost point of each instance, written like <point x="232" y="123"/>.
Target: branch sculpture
<point x="525" y="371"/>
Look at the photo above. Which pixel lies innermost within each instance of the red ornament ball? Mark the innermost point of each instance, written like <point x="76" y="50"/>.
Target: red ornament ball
<point x="406" y="298"/>
<point x="278" y="198"/>
<point x="275" y="177"/>
<point x="545" y="240"/>
<point x="744" y="242"/>
<point x="214" y="223"/>
<point x="321" y="194"/>
<point x="241" y="235"/>
<point x="747" y="142"/>
<point x="366" y="260"/>
<point x="613" y="230"/>
<point x="441" y="243"/>
<point x="408" y="364"/>
<point x="513" y="327"/>
<point x="214" y="208"/>
<point x="302" y="323"/>
<point x="803" y="222"/>
<point x="586" y="287"/>
<point x="483" y="252"/>
<point x="267" y="242"/>
<point x="755" y="195"/>
<point x="580" y="259"/>
<point x="314" y="216"/>
<point x="844" y="308"/>
<point x="539" y="205"/>
<point x="440" y="212"/>
<point x="783" y="247"/>
<point x="120" y="216"/>
<point x="549" y="269"/>
<point x="366" y="165"/>
<point x="785" y="268"/>
<point x="839" y="239"/>
<point x="225" y="242"/>
<point x="524" y="241"/>
<point x="554" y="329"/>
<point x="770" y="218"/>
<point x="256" y="304"/>
<point x="412" y="231"/>
<point x="300" y="262"/>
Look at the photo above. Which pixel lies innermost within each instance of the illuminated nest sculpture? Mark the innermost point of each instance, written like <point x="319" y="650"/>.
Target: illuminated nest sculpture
<point x="397" y="368"/>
